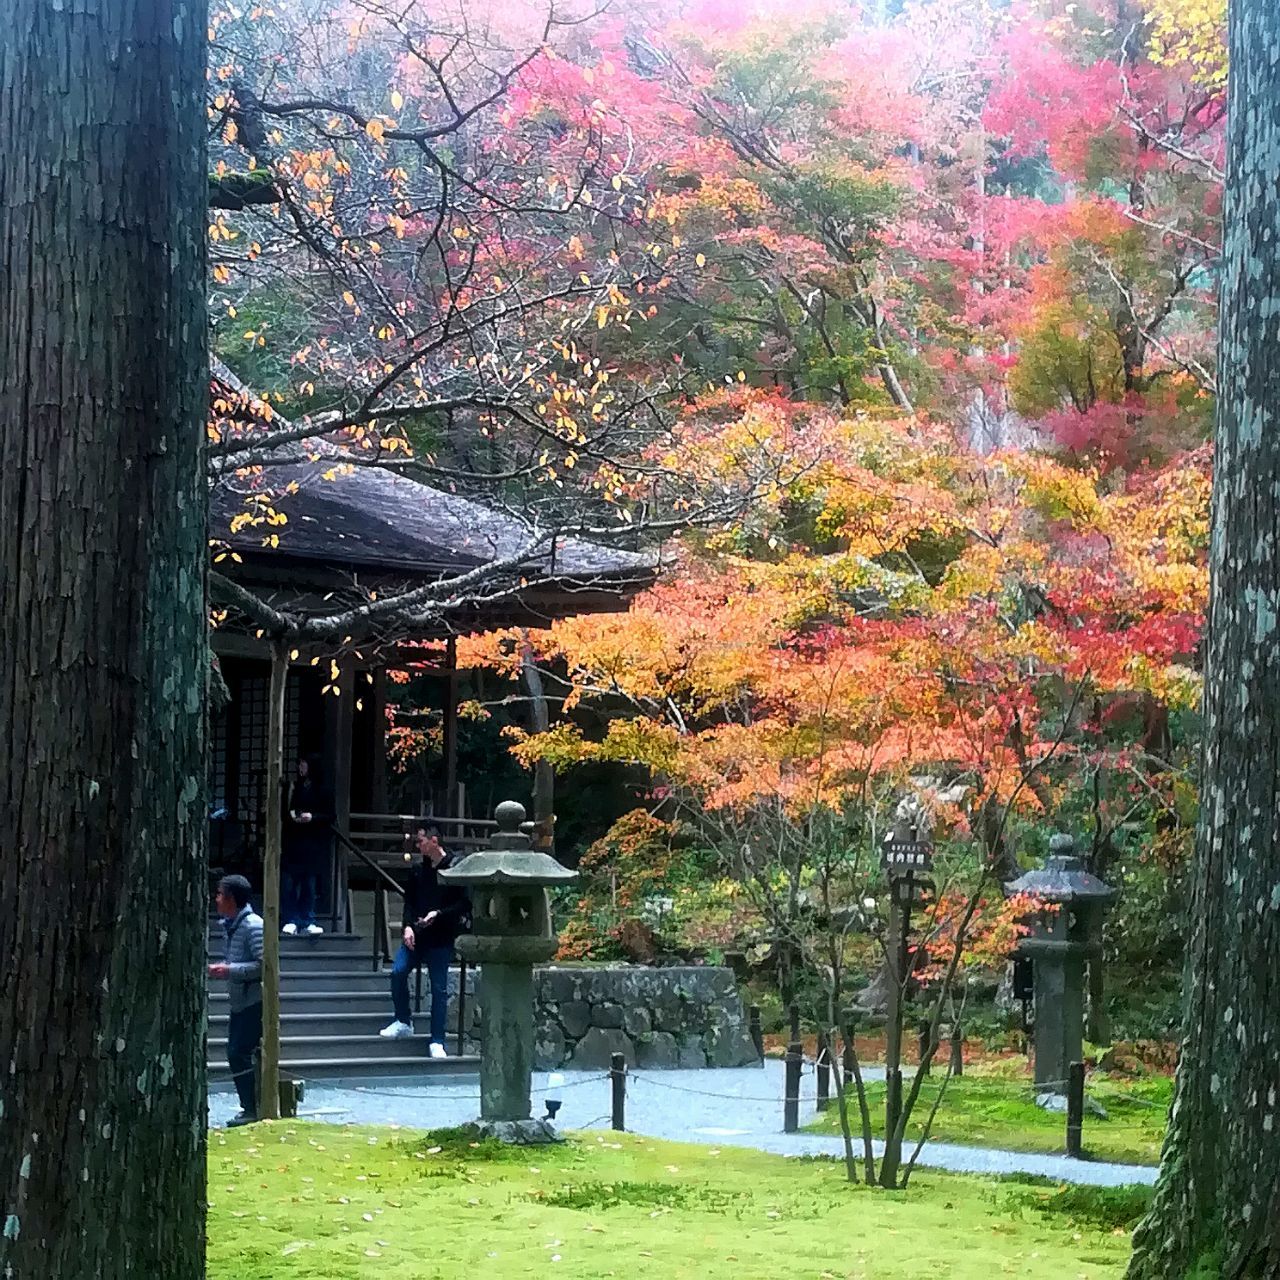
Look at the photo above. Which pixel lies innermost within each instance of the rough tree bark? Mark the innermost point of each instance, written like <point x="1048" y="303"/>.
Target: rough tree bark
<point x="103" y="396"/>
<point x="1217" y="1205"/>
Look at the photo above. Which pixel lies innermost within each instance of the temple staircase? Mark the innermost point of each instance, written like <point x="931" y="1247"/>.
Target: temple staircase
<point x="333" y="1002"/>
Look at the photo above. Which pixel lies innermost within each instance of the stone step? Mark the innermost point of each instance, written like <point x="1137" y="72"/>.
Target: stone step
<point x="340" y="1021"/>
<point x="318" y="961"/>
<point x="344" y="944"/>
<point x="352" y="979"/>
<point x="295" y="1047"/>
<point x="328" y="978"/>
<point x="371" y="1004"/>
<point x="384" y="1067"/>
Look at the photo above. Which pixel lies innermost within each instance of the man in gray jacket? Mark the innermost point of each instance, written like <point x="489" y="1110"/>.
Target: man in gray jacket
<point x="243" y="971"/>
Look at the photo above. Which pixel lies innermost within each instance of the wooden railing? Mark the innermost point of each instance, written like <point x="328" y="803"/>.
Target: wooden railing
<point x="387" y="838"/>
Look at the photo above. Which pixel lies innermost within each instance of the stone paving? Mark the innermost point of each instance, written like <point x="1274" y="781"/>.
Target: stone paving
<point x="727" y="1107"/>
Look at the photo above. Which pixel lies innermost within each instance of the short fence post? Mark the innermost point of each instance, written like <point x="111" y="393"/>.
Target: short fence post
<point x="924" y="1045"/>
<point x="823" y="1072"/>
<point x="957" y="1050"/>
<point x="1075" y="1109"/>
<point x="618" y="1084"/>
<point x="462" y="1005"/>
<point x="757" y="1032"/>
<point x="791" y="1100"/>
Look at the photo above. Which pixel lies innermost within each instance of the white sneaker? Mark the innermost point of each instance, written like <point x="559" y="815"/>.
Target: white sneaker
<point x="437" y="1050"/>
<point x="314" y="931"/>
<point x="397" y="1030"/>
<point x="289" y="930"/>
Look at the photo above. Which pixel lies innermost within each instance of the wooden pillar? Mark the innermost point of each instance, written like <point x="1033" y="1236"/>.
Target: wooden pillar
<point x="377" y="695"/>
<point x="339" y="725"/>
<point x="269" y="1077"/>
<point x="544" y="778"/>
<point x="451" y="730"/>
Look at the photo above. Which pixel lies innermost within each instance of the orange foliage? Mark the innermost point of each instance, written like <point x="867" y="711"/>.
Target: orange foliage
<point x="959" y="610"/>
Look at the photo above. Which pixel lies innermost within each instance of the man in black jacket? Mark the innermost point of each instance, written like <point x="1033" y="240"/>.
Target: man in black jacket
<point x="434" y="914"/>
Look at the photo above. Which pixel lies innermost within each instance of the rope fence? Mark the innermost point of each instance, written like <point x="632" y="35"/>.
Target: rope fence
<point x="827" y="1066"/>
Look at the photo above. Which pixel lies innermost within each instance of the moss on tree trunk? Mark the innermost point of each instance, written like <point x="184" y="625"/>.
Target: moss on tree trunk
<point x="1215" y="1212"/>
<point x="103" y="398"/>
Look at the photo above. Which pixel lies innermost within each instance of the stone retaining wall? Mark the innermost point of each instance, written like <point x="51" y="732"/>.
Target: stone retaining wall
<point x="673" y="1017"/>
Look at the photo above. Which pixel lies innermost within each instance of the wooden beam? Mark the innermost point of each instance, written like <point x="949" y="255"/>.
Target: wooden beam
<point x="269" y="1078"/>
<point x="544" y="778"/>
<point x="339" y="717"/>
<point x="451" y="729"/>
<point x="377" y="696"/>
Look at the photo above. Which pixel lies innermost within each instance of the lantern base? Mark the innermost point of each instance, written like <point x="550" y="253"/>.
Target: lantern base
<point x="518" y="1133"/>
<point x="1058" y="1102"/>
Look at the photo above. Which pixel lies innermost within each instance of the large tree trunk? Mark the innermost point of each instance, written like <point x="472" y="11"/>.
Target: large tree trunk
<point x="1218" y="1198"/>
<point x="103" y="395"/>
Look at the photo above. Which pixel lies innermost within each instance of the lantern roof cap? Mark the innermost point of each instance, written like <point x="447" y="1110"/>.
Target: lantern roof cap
<point x="1063" y="878"/>
<point x="510" y="858"/>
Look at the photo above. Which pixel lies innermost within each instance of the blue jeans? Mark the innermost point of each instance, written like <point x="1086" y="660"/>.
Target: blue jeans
<point x="298" y="885"/>
<point x="244" y="1035"/>
<point x="437" y="960"/>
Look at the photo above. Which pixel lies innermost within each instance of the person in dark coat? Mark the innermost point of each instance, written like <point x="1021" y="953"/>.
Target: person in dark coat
<point x="243" y="971"/>
<point x="434" y="914"/>
<point x="308" y="847"/>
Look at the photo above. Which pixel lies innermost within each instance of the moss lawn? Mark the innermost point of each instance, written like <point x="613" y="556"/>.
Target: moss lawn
<point x="296" y="1199"/>
<point x="996" y="1109"/>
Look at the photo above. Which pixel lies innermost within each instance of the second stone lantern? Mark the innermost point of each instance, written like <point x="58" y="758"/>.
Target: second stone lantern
<point x="511" y="932"/>
<point x="1063" y="937"/>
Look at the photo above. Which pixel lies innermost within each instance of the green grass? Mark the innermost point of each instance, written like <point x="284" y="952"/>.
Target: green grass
<point x="990" y="1110"/>
<point x="291" y="1200"/>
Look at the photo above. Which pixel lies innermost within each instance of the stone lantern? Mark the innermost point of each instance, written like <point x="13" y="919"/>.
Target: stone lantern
<point x="511" y="932"/>
<point x="1058" y="946"/>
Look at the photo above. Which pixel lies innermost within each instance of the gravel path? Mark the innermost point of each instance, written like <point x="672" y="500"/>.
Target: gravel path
<point x="741" y="1107"/>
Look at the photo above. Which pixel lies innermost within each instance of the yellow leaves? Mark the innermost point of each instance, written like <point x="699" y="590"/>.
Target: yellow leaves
<point x="375" y="128"/>
<point x="397" y="99"/>
<point x="576" y="247"/>
<point x="348" y="297"/>
<point x="1191" y="34"/>
<point x="602" y="317"/>
<point x="700" y="259"/>
<point x="221" y="274"/>
<point x="1059" y="492"/>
